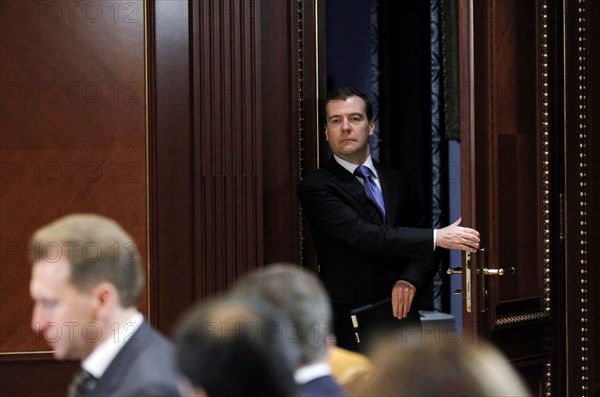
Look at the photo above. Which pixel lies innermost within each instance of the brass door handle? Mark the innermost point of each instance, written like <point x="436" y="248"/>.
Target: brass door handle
<point x="498" y="272"/>
<point x="454" y="270"/>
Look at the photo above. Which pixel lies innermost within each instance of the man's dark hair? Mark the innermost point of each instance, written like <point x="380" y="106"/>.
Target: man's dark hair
<point x="341" y="94"/>
<point x="232" y="348"/>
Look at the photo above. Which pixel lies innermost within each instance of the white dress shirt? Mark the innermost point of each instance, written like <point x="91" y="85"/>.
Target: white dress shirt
<point x="310" y="372"/>
<point x="99" y="360"/>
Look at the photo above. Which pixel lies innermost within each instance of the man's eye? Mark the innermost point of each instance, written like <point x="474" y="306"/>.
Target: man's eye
<point x="355" y="119"/>
<point x="334" y="121"/>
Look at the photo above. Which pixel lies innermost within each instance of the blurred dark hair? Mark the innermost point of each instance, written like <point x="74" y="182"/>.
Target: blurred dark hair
<point x="232" y="348"/>
<point x="300" y="296"/>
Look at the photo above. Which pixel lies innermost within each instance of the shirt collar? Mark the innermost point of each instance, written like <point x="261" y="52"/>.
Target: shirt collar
<point x="99" y="360"/>
<point x="351" y="167"/>
<point x="312" y="371"/>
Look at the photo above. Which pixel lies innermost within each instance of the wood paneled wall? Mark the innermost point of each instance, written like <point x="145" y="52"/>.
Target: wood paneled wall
<point x="72" y="139"/>
<point x="191" y="122"/>
<point x="183" y="120"/>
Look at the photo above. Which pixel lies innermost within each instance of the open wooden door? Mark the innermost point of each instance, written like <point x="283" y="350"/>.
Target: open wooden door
<point x="511" y="153"/>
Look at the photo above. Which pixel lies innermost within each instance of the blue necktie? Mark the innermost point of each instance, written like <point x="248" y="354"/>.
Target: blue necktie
<point x="371" y="189"/>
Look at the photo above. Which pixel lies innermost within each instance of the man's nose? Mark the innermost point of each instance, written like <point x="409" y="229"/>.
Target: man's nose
<point x="345" y="124"/>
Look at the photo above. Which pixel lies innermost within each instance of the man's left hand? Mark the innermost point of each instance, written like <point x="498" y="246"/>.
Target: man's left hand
<point x="402" y="298"/>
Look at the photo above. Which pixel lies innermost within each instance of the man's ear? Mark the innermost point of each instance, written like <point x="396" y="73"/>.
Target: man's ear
<point x="106" y="299"/>
<point x="371" y="127"/>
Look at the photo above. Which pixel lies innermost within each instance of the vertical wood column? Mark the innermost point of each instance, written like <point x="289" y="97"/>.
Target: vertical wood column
<point x="227" y="141"/>
<point x="171" y="207"/>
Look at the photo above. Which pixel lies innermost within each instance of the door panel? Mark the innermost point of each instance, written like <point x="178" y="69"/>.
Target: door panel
<point x="511" y="181"/>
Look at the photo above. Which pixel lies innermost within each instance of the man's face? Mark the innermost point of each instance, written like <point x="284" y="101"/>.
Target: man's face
<point x="61" y="312"/>
<point x="348" y="129"/>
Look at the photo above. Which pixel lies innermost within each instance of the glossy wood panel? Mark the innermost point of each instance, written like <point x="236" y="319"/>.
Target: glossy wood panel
<point x="73" y="127"/>
<point x="512" y="155"/>
<point x="72" y="139"/>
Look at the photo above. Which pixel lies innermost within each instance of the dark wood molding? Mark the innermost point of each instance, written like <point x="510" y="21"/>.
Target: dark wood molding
<point x="27" y="375"/>
<point x="581" y="193"/>
<point x="171" y="178"/>
<point x="593" y="67"/>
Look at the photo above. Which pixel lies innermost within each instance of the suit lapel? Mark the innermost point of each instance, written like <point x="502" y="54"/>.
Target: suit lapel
<point x="119" y="367"/>
<point x="355" y="191"/>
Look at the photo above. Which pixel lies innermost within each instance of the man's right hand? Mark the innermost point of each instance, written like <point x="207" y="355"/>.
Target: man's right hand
<point x="457" y="237"/>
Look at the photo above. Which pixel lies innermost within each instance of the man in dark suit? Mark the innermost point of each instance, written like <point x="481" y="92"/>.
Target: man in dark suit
<point x="371" y="237"/>
<point x="86" y="282"/>
<point x="300" y="296"/>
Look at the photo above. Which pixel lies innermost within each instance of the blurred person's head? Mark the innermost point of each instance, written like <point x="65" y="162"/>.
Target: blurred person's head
<point x="230" y="348"/>
<point x="440" y="369"/>
<point x="301" y="297"/>
<point x="86" y="275"/>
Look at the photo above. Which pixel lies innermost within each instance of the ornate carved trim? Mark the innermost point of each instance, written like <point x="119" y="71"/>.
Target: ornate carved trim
<point x="300" y="111"/>
<point x="545" y="156"/>
<point x="520" y="318"/>
<point x="582" y="232"/>
<point x="492" y="123"/>
<point x="548" y="380"/>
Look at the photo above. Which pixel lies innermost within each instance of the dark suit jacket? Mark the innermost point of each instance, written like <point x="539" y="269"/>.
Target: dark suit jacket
<point x="325" y="386"/>
<point x="360" y="255"/>
<point x="145" y="366"/>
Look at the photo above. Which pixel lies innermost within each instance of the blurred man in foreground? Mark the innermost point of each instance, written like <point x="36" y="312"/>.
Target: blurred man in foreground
<point x="86" y="282"/>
